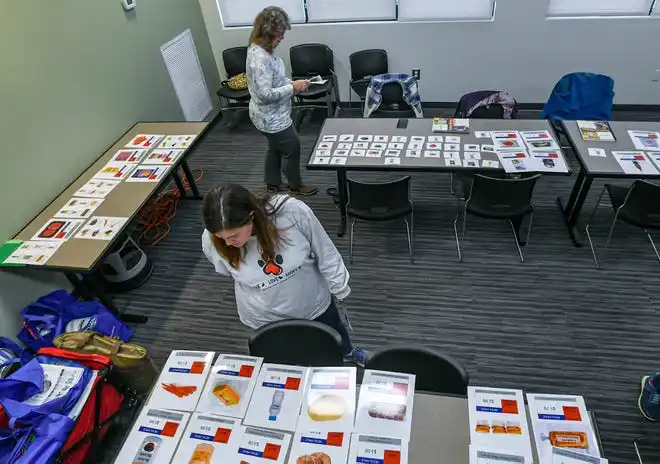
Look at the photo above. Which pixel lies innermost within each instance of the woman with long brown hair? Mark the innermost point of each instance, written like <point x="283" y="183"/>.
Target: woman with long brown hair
<point x="282" y="261"/>
<point x="271" y="92"/>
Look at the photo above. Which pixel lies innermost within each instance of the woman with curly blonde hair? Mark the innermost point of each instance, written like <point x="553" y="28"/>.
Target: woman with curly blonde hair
<point x="271" y="93"/>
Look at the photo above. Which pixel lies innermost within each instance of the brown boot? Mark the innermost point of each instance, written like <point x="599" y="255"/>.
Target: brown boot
<point x="304" y="191"/>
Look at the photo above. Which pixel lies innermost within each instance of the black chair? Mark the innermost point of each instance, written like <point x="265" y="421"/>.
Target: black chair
<point x="309" y="60"/>
<point x="637" y="205"/>
<point x="383" y="201"/>
<point x="364" y="65"/>
<point x="297" y="342"/>
<point x="234" y="100"/>
<point x="393" y="104"/>
<point x="493" y="198"/>
<point x="434" y="372"/>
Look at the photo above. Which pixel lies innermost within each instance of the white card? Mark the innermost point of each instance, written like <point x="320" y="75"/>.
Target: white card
<point x="179" y="142"/>
<point x="128" y="156"/>
<point x="421" y="139"/>
<point x="344" y="146"/>
<point x="36" y="253"/>
<point x="490" y="164"/>
<point x="415" y="145"/>
<point x="329" y="400"/>
<point x="374" y="153"/>
<point x="58" y="229"/>
<point x="399" y="139"/>
<point x="482" y="134"/>
<point x="357" y="152"/>
<point x="516" y="161"/>
<point x="549" y="161"/>
<point x="361" y="145"/>
<point x="346" y="137"/>
<point x="490" y="455"/>
<point x="472" y="155"/>
<point x="452" y="139"/>
<point x="148" y="173"/>
<point x="378" y="146"/>
<point x="597" y="152"/>
<point x="381" y="138"/>
<point x="471" y="147"/>
<point x="338" y="160"/>
<point x="96" y="188"/>
<point x="325" y="146"/>
<point x="433" y="146"/>
<point x="392" y="160"/>
<point x="431" y="154"/>
<point x="310" y="446"/>
<point x="539" y="140"/>
<point x="161" y="156"/>
<point x="634" y="162"/>
<point x="452" y="155"/>
<point x="469" y="163"/>
<point x="509" y="144"/>
<point x="329" y="138"/>
<point x="393" y="153"/>
<point x="377" y="450"/>
<point x="259" y="446"/>
<point x="340" y="153"/>
<point x="79" y="208"/>
<point x="433" y="138"/>
<point x="452" y="147"/>
<point x="321" y="160"/>
<point x="102" y="227"/>
<point x="413" y="153"/>
<point x="644" y="140"/>
<point x="213" y="437"/>
<point x="396" y="146"/>
<point x="144" y="141"/>
<point x="567" y="456"/>
<point x="488" y="148"/>
<point x="115" y="171"/>
<point x="452" y="162"/>
<point x="323" y="152"/>
<point x="365" y="138"/>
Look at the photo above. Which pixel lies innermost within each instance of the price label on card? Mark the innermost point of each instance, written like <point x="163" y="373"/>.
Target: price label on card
<point x="385" y="384"/>
<point x="260" y="449"/>
<point x="236" y="369"/>
<point x="157" y="426"/>
<point x="280" y="381"/>
<point x="370" y="455"/>
<point x="188" y="366"/>
<point x="554" y="409"/>
<point x="330" y="381"/>
<point x="489" y="402"/>
<point x="323" y="438"/>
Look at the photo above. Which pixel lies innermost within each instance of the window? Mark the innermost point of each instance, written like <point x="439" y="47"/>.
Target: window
<point x="350" y="10"/>
<point x="601" y="7"/>
<point x="243" y="12"/>
<point x="425" y="10"/>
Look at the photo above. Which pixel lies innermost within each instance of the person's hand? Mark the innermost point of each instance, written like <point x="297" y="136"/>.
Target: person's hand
<point x="300" y="85"/>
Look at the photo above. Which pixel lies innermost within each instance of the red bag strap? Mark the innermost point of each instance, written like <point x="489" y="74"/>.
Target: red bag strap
<point x="92" y="361"/>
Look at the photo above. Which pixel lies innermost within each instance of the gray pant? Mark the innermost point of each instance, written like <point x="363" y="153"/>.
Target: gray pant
<point x="283" y="156"/>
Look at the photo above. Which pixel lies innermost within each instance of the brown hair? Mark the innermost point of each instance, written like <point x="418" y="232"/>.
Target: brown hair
<point x="232" y="206"/>
<point x="268" y="24"/>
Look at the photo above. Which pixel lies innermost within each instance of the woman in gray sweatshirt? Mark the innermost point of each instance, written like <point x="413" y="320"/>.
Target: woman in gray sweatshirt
<point x="271" y="92"/>
<point x="282" y="261"/>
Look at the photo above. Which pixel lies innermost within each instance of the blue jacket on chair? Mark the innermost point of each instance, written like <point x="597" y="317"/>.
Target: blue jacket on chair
<point x="581" y="96"/>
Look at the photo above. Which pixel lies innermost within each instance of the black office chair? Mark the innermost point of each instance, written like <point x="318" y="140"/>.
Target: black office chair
<point x="638" y="205"/>
<point x="382" y="201"/>
<point x="364" y="65"/>
<point x="234" y="100"/>
<point x="297" y="342"/>
<point x="393" y="104"/>
<point x="309" y="60"/>
<point x="492" y="198"/>
<point x="434" y="372"/>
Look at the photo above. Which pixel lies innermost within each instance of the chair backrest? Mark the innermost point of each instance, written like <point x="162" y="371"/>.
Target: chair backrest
<point x="581" y="95"/>
<point x="368" y="63"/>
<point x="502" y="194"/>
<point x="297" y="342"/>
<point x="234" y="60"/>
<point x="311" y="59"/>
<point x="643" y="202"/>
<point x="434" y="372"/>
<point x="487" y="104"/>
<point x="379" y="198"/>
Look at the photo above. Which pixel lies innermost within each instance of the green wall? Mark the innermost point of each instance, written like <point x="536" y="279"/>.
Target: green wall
<point x="74" y="75"/>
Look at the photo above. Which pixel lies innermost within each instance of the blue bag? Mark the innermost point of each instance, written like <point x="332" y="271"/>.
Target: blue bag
<point x="60" y="312"/>
<point x="581" y="96"/>
<point x="40" y="443"/>
<point x="12" y="357"/>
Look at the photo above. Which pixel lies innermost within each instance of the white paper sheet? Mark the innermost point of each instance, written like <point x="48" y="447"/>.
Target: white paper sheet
<point x="115" y="171"/>
<point x="321" y="160"/>
<point x="129" y="156"/>
<point x="393" y="153"/>
<point x="358" y="152"/>
<point x="634" y="162"/>
<point x="539" y="140"/>
<point x="366" y="448"/>
<point x="161" y="156"/>
<point x="548" y="161"/>
<point x="516" y="161"/>
<point x="346" y="138"/>
<point x="325" y="146"/>
<point x="338" y="160"/>
<point x="35" y="253"/>
<point x="102" y="228"/>
<point x="178" y="142"/>
<point x="392" y="160"/>
<point x="329" y="400"/>
<point x="597" y="152"/>
<point x="96" y="188"/>
<point x="209" y="438"/>
<point x="644" y="140"/>
<point x="148" y="173"/>
<point x="58" y="229"/>
<point x="79" y="208"/>
<point x="329" y="138"/>
<point x="144" y="141"/>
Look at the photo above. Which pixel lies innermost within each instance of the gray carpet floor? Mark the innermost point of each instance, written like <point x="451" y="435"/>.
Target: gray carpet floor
<point x="553" y="324"/>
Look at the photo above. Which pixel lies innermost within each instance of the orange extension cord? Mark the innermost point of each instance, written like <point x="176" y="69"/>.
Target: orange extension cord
<point x="156" y="216"/>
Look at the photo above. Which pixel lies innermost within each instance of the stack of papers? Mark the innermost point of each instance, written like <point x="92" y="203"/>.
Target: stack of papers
<point x="181" y="381"/>
<point x="596" y="131"/>
<point x="209" y="439"/>
<point x="498" y="422"/>
<point x="461" y="126"/>
<point x="561" y="421"/>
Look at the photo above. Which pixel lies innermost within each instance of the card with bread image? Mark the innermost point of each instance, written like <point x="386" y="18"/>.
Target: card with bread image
<point x="385" y="405"/>
<point x="230" y="385"/>
<point x="329" y="402"/>
<point x="209" y="439"/>
<point x="370" y="448"/>
<point x="313" y="447"/>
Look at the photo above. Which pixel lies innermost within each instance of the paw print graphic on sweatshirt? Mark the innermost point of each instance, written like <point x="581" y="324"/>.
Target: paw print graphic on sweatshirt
<point x="271" y="267"/>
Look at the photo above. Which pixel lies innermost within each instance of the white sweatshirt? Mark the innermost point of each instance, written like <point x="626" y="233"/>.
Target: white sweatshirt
<point x="307" y="270"/>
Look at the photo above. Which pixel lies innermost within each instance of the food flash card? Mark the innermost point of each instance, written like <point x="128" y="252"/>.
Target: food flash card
<point x="177" y="142"/>
<point x="488" y="148"/>
<point x="181" y="381"/>
<point x="338" y="160"/>
<point x="163" y="156"/>
<point x="371" y="449"/>
<point x="329" y="138"/>
<point x="357" y="153"/>
<point x="325" y="447"/>
<point x="385" y="405"/>
<point x="498" y="419"/>
<point x="78" y="208"/>
<point x="415" y="145"/>
<point x="323" y="152"/>
<point x="539" y="140"/>
<point x="325" y="146"/>
<point x="209" y="439"/>
<point x="452" y="139"/>
<point x="96" y="188"/>
<point x="115" y="171"/>
<point x="597" y="152"/>
<point x="344" y="146"/>
<point x="490" y="164"/>
<point x="361" y="145"/>
<point x="381" y="138"/>
<point x="643" y="140"/>
<point x="58" y="229"/>
<point x="148" y="173"/>
<point x="471" y="147"/>
<point x="432" y="139"/>
<point x="277" y="397"/>
<point x="399" y="139"/>
<point x="128" y="156"/>
<point x="154" y="437"/>
<point x="378" y="146"/>
<point x="321" y="160"/>
<point x="470" y="163"/>
<point x="431" y="154"/>
<point x="482" y="134"/>
<point x="230" y="385"/>
<point x="413" y="153"/>
<point x="365" y="138"/>
<point x="452" y="162"/>
<point x="329" y="401"/>
<point x="340" y="153"/>
<point x="433" y="146"/>
<point x="374" y="153"/>
<point x="396" y="146"/>
<point x="472" y="155"/>
<point x="452" y="155"/>
<point x="452" y="147"/>
<point x="260" y="446"/>
<point x="36" y="253"/>
<point x="393" y="153"/>
<point x="346" y="138"/>
<point x="144" y="141"/>
<point x="101" y="227"/>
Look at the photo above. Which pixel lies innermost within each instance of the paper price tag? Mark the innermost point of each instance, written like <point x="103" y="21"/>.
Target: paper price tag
<point x="325" y="381"/>
<point x="260" y="449"/>
<point x="323" y="438"/>
<point x="188" y="366"/>
<point x="494" y="403"/>
<point x="374" y="456"/>
<point x="557" y="410"/>
<point x="387" y="385"/>
<point x="236" y="369"/>
<point x="158" y="426"/>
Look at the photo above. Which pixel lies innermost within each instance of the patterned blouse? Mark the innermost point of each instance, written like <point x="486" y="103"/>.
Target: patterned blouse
<point x="270" y="89"/>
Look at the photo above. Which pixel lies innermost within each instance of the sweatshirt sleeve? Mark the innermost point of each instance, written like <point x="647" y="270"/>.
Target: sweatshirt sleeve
<point x="261" y="75"/>
<point x="212" y="255"/>
<point x="329" y="260"/>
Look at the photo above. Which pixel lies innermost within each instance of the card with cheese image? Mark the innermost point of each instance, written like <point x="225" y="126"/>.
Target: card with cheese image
<point x="311" y="447"/>
<point x="209" y="439"/>
<point x="329" y="401"/>
<point x="230" y="385"/>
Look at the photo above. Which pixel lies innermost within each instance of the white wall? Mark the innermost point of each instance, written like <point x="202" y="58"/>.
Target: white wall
<point x="521" y="51"/>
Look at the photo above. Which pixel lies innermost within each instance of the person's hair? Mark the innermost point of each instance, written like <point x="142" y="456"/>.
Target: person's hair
<point x="232" y="206"/>
<point x="268" y="24"/>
